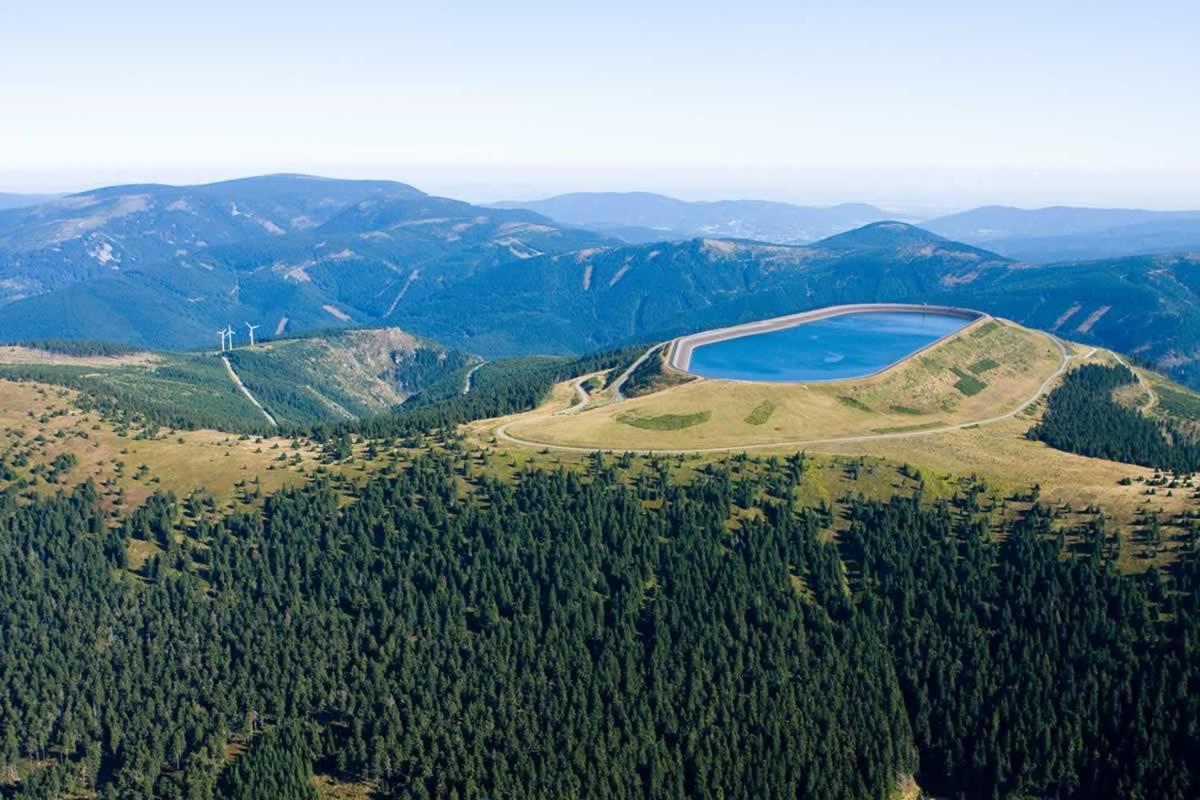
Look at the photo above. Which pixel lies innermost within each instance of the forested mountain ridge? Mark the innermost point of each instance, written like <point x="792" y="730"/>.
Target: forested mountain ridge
<point x="163" y="266"/>
<point x="1147" y="305"/>
<point x="581" y="301"/>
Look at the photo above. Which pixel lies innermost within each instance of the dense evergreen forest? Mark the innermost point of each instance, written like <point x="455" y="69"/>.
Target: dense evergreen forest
<point x="586" y="635"/>
<point x="1082" y="417"/>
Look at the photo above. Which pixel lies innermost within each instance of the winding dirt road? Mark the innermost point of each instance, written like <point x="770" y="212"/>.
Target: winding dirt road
<point x="1151" y="397"/>
<point x="469" y="381"/>
<point x="503" y="434"/>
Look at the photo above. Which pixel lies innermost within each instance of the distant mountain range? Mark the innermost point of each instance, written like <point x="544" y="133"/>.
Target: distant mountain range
<point x="165" y="266"/>
<point x="639" y="217"/>
<point x="8" y="200"/>
<point x="1039" y="236"/>
<point x="1062" y="233"/>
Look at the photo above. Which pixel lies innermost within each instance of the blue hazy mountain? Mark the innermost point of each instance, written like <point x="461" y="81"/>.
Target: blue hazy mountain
<point x="164" y="265"/>
<point x="9" y="200"/>
<point x="645" y="217"/>
<point x="1063" y="233"/>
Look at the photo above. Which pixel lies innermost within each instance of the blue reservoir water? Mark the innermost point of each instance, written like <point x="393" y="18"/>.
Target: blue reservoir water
<point x="847" y="346"/>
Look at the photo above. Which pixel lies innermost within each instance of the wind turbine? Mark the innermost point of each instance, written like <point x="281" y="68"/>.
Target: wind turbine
<point x="221" y="333"/>
<point x="229" y="333"/>
<point x="252" y="328"/>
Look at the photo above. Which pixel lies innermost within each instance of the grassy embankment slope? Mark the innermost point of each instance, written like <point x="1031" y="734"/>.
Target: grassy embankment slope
<point x="988" y="369"/>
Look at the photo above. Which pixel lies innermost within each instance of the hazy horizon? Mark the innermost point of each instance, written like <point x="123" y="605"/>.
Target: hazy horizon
<point x="907" y="192"/>
<point x="929" y="106"/>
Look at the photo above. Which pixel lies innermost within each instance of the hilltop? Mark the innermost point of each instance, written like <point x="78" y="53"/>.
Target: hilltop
<point x="989" y="369"/>
<point x="967" y="406"/>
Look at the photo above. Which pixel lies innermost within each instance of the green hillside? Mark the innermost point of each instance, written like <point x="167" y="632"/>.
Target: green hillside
<point x="302" y="382"/>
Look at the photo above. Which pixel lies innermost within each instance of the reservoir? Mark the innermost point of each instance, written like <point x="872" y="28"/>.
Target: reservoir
<point x="850" y="345"/>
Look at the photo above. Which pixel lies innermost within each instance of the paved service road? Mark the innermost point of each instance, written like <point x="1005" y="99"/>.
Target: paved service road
<point x="581" y="396"/>
<point x="233" y="376"/>
<point x="620" y="381"/>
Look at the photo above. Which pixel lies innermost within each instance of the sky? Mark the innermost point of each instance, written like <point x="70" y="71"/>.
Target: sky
<point x="908" y="104"/>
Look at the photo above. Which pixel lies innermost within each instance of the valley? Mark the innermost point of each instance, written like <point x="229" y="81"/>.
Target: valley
<point x="292" y="383"/>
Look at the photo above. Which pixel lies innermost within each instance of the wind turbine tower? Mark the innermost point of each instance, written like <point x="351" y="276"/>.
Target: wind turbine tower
<point x="252" y="328"/>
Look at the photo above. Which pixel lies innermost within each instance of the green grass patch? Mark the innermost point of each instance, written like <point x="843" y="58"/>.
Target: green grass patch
<point x="1184" y="405"/>
<point x="985" y="329"/>
<point x="924" y="426"/>
<point x="761" y="413"/>
<point x="967" y="383"/>
<point x="983" y="365"/>
<point x="912" y="412"/>
<point x="854" y="403"/>
<point x="665" y="422"/>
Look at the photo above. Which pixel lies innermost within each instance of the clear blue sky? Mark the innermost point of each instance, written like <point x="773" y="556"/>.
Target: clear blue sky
<point x="919" y="102"/>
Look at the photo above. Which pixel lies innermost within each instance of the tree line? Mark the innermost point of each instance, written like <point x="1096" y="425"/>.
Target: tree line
<point x="1082" y="417"/>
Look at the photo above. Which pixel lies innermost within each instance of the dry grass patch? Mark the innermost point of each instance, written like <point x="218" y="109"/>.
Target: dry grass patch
<point x="1010" y="463"/>
<point x="16" y="354"/>
<point x="179" y="461"/>
<point x="330" y="788"/>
